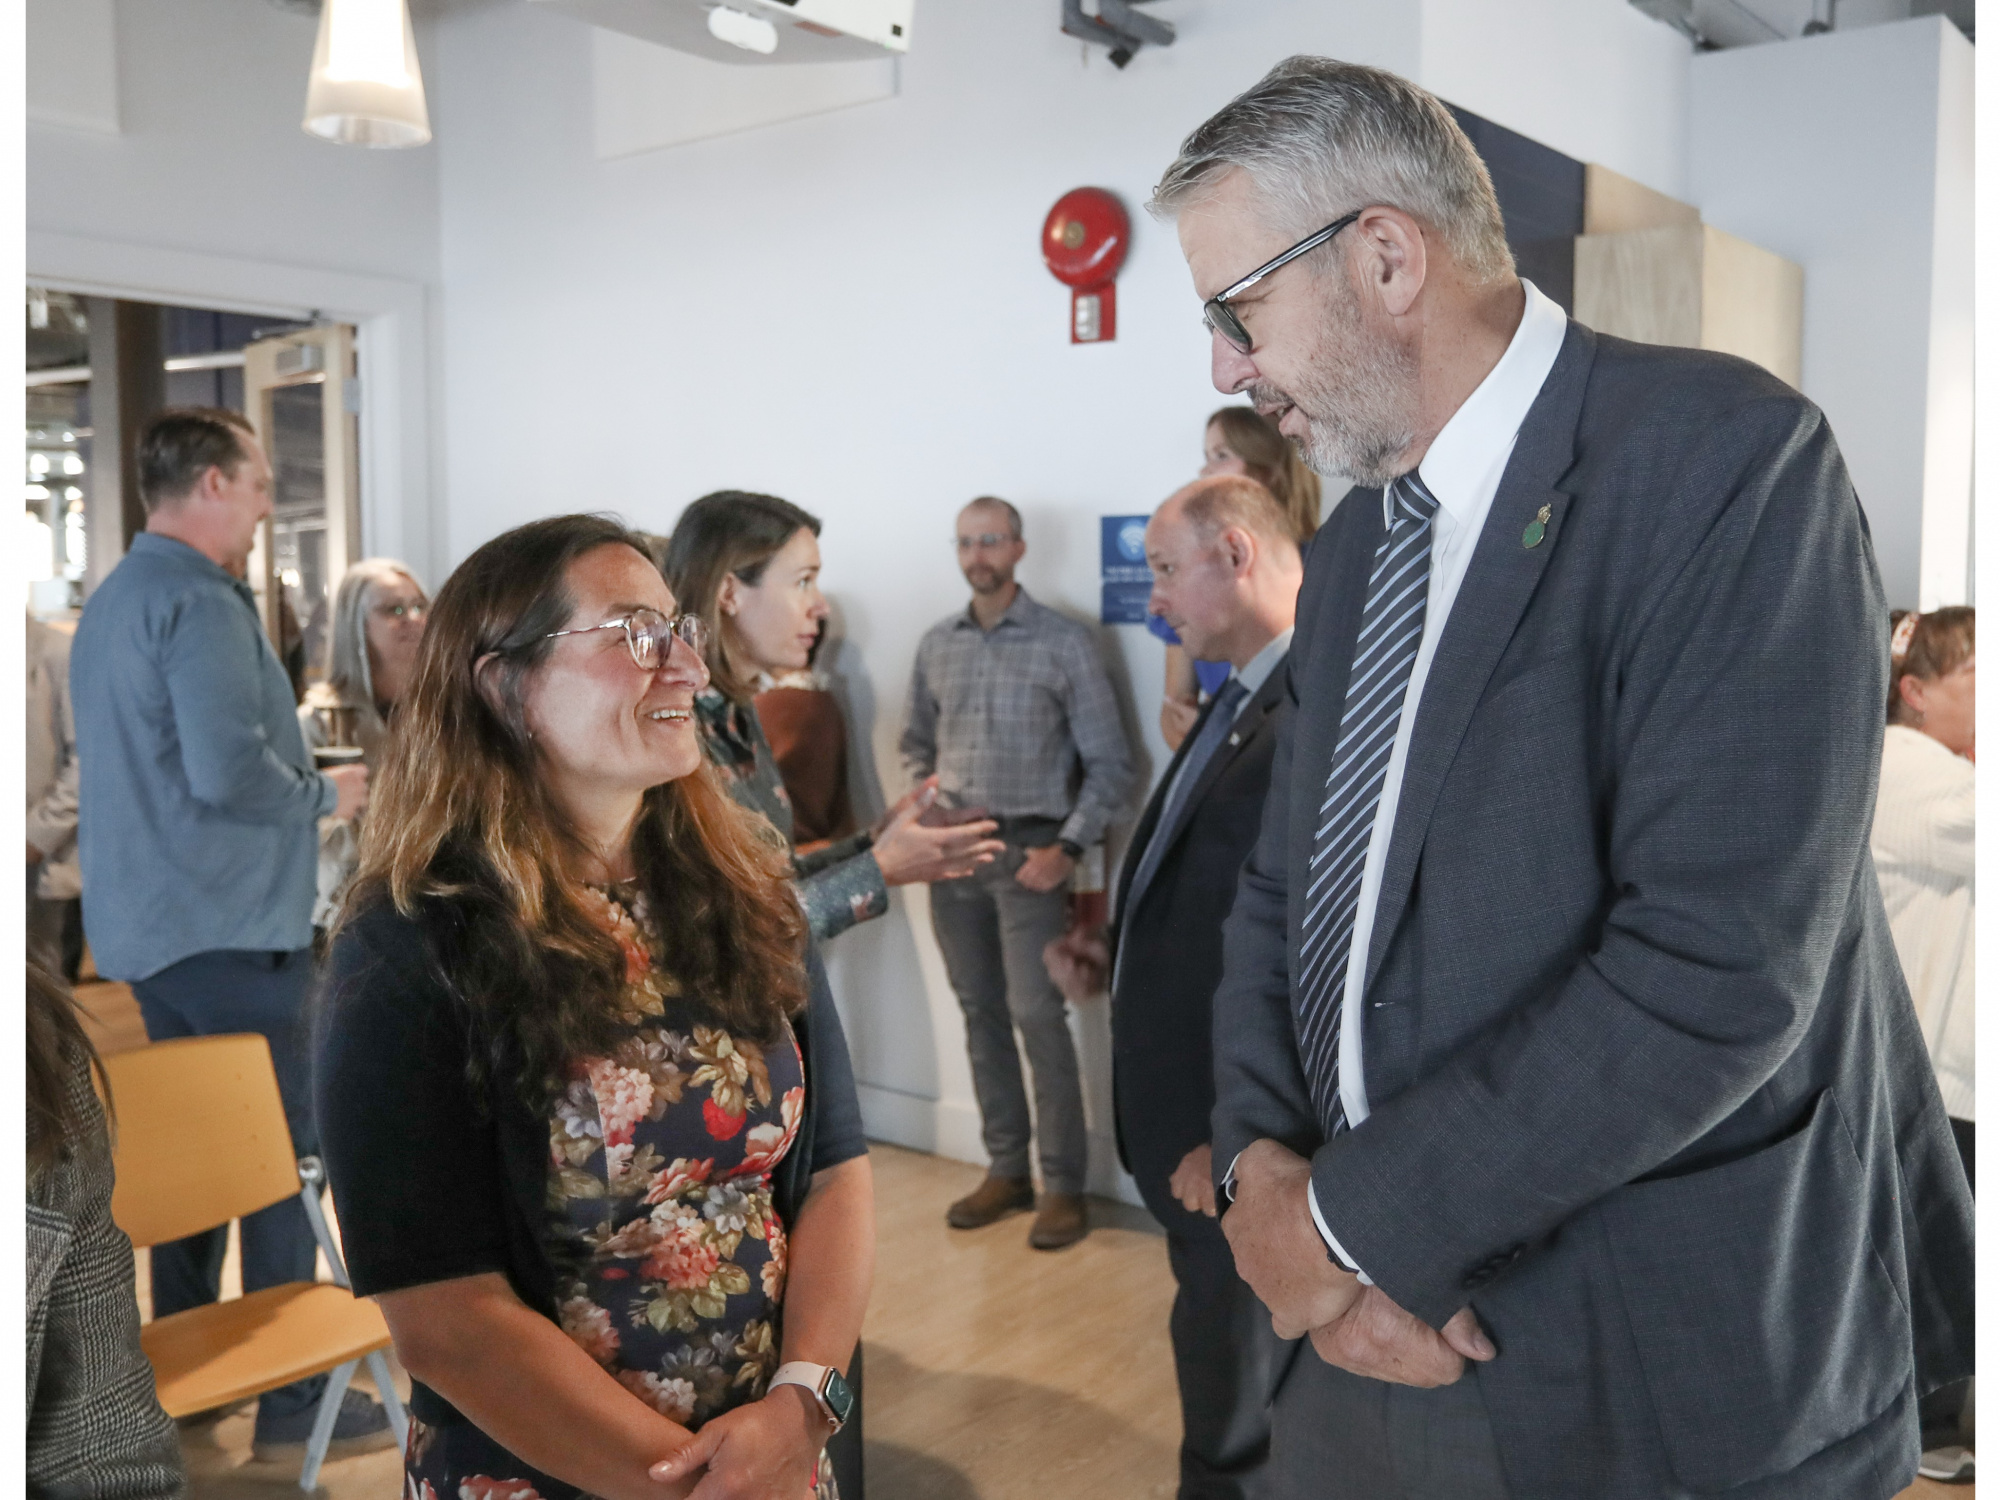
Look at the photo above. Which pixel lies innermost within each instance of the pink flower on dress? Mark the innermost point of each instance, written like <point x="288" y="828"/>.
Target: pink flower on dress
<point x="623" y="1096"/>
<point x="766" y="1146"/>
<point x="480" y="1487"/>
<point x="773" y="1272"/>
<point x="684" y="1261"/>
<point x="591" y="1327"/>
<point x="672" y="1399"/>
<point x="677" y="1177"/>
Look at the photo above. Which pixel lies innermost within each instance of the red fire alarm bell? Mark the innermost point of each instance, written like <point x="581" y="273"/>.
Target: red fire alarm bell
<point x="1084" y="241"/>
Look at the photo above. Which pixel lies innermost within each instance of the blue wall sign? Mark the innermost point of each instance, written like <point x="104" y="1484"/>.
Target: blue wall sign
<point x="1126" y="579"/>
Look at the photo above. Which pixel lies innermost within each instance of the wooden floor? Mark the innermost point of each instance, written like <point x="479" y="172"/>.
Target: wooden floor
<point x="995" y="1372"/>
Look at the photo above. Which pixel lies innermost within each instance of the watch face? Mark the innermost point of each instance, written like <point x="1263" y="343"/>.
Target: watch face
<point x="839" y="1396"/>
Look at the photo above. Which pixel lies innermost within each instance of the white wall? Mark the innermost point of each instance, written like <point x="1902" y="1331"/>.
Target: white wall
<point x="1851" y="153"/>
<point x="850" y="311"/>
<point x="209" y="192"/>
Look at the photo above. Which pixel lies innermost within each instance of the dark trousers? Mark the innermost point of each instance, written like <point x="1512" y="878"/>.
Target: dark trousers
<point x="1226" y="1358"/>
<point x="211" y="994"/>
<point x="1337" y="1436"/>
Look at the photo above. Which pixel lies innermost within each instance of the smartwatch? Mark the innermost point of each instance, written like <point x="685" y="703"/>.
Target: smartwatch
<point x="828" y="1386"/>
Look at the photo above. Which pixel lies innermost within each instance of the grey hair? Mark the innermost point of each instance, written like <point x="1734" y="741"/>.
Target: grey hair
<point x="348" y="673"/>
<point x="1320" y="138"/>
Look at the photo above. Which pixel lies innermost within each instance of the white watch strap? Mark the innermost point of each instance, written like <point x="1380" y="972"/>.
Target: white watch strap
<point x="812" y="1377"/>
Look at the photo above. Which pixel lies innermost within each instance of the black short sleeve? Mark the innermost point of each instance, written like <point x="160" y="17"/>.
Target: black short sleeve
<point x="417" y="1173"/>
<point x="837" y="1134"/>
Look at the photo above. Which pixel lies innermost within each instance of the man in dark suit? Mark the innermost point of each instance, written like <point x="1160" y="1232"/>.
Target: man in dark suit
<point x="1560" y="1028"/>
<point x="1226" y="577"/>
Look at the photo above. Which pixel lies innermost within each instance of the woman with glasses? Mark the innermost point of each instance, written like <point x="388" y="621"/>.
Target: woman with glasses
<point x="378" y="622"/>
<point x="583" y="1094"/>
<point x="749" y="566"/>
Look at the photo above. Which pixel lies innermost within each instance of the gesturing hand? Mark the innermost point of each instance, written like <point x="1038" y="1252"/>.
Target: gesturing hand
<point x="768" y="1450"/>
<point x="913" y="852"/>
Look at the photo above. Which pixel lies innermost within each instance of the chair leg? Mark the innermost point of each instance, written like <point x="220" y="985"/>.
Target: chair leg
<point x="322" y="1433"/>
<point x="399" y="1422"/>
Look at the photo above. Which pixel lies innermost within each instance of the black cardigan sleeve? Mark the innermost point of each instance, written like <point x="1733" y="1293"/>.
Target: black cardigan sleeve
<point x="419" y="1178"/>
<point x="835" y="1107"/>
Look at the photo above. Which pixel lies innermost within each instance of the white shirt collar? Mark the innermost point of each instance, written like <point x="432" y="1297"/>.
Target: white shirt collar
<point x="1479" y="437"/>
<point x="1253" y="672"/>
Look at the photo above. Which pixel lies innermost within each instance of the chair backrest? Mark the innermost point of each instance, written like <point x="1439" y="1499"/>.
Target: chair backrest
<point x="201" y="1136"/>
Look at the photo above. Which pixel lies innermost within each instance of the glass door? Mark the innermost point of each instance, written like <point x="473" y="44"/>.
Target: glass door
<point x="300" y="393"/>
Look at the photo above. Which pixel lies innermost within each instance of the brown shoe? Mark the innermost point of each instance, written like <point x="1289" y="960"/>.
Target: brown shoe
<point x="1059" y="1222"/>
<point x="993" y="1199"/>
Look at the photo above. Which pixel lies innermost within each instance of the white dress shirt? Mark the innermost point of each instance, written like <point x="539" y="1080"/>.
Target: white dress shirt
<point x="1462" y="469"/>
<point x="1923" y="843"/>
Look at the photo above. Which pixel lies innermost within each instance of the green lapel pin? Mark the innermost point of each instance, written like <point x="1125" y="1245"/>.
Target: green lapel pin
<point x="1537" y="529"/>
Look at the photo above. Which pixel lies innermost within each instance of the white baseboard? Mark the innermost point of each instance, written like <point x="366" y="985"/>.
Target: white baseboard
<point x="952" y="1131"/>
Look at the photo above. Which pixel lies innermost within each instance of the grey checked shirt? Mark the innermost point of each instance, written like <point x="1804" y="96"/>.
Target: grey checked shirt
<point x="1019" y="720"/>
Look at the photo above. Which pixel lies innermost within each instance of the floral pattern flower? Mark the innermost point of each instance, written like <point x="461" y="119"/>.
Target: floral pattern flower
<point x="671" y="1398"/>
<point x="590" y="1326"/>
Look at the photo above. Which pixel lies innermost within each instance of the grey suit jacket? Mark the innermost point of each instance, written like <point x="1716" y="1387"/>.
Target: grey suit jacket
<point x="1647" y="1088"/>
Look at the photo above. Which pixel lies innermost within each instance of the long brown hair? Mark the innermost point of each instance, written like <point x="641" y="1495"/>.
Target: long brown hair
<point x="1274" y="463"/>
<point x="463" y="834"/>
<point x="1937" y="643"/>
<point x="730" y="531"/>
<point x="58" y="1047"/>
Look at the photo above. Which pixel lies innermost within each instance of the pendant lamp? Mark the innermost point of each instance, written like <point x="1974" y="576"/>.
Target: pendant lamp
<point x="365" y="88"/>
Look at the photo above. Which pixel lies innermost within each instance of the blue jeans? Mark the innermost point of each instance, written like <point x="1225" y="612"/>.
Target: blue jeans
<point x="210" y="994"/>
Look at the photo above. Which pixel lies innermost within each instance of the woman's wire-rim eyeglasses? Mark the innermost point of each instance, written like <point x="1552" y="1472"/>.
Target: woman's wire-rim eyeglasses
<point x="649" y="636"/>
<point x="1220" y="317"/>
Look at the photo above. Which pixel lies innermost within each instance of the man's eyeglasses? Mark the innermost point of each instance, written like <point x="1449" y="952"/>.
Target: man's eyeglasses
<point x="985" y="539"/>
<point x="1221" y="317"/>
<point x="649" y="636"/>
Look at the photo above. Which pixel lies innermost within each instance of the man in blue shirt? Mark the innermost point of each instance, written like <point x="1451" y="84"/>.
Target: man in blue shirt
<point x="198" y="830"/>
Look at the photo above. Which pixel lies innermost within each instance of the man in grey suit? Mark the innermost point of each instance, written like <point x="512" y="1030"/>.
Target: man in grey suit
<point x="1560" y="1029"/>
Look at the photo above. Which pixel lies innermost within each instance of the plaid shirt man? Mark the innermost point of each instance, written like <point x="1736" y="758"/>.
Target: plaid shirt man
<point x="1019" y="720"/>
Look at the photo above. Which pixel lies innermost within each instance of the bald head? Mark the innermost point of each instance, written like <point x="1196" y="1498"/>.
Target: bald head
<point x="1225" y="566"/>
<point x="1213" y="505"/>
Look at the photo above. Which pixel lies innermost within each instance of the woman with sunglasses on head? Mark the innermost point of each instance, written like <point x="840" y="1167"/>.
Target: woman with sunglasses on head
<point x="749" y="566"/>
<point x="584" y="1098"/>
<point x="378" y="623"/>
<point x="1237" y="440"/>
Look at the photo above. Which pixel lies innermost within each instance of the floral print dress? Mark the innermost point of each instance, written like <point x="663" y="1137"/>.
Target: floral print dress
<point x="669" y="1253"/>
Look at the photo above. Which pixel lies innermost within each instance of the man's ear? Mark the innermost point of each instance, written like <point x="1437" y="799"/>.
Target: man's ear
<point x="1239" y="550"/>
<point x="1394" y="257"/>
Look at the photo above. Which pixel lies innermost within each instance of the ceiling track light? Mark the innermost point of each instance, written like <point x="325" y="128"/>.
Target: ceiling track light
<point x="365" y="88"/>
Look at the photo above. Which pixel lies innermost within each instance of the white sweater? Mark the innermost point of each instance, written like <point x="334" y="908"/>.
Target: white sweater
<point x="1922" y="844"/>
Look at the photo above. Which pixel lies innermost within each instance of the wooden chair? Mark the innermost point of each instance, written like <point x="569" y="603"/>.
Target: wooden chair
<point x="201" y="1139"/>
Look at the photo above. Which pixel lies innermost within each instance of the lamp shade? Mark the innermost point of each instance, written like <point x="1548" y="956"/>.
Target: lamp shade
<point x="365" y="88"/>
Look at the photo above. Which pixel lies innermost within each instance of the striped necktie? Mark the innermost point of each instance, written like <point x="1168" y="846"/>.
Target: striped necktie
<point x="1392" y="627"/>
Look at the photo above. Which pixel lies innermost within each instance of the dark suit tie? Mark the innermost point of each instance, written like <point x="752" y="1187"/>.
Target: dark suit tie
<point x="1214" y="729"/>
<point x="1392" y="627"/>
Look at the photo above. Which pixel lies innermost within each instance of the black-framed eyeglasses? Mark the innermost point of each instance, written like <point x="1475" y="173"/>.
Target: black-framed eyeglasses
<point x="649" y="636"/>
<point x="1221" y="317"/>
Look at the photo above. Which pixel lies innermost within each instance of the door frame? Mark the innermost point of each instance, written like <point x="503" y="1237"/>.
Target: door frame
<point x="401" y="468"/>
